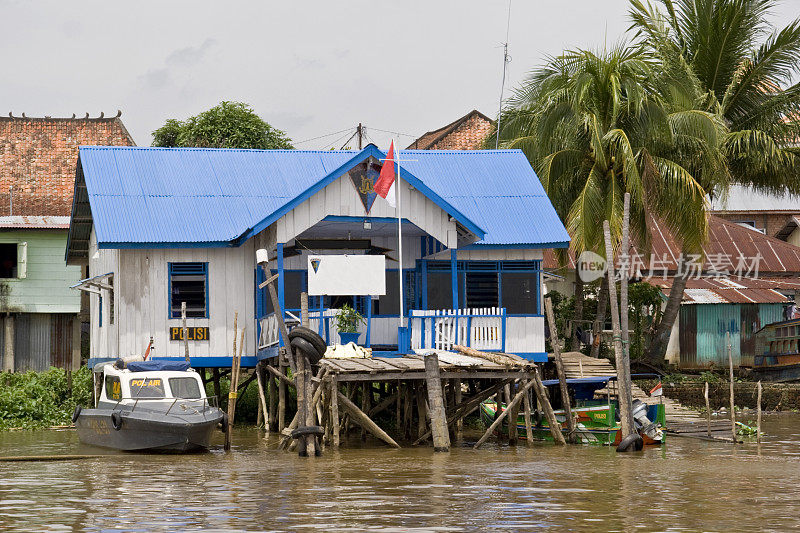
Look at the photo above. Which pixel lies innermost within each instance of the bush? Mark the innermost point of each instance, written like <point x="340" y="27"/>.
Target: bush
<point x="33" y="400"/>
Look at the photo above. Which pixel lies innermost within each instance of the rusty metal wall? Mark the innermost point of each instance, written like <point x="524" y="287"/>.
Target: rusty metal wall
<point x="41" y="340"/>
<point x="687" y="336"/>
<point x="61" y="339"/>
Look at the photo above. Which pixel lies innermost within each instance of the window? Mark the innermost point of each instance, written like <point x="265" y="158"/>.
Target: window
<point x="13" y="260"/>
<point x="113" y="388"/>
<point x="188" y="283"/>
<point x="147" y="388"/>
<point x="519" y="293"/>
<point x="186" y="388"/>
<point x="440" y="293"/>
<point x="482" y="290"/>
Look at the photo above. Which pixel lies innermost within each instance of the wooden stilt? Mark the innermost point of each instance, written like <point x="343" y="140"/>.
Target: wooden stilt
<point x="398" y="412"/>
<point x="217" y="386"/>
<point x="733" y="404"/>
<point x="758" y="415"/>
<point x="281" y="393"/>
<point x="407" y="410"/>
<point x="335" y="410"/>
<point x="233" y="392"/>
<point x="562" y="375"/>
<point x="422" y="410"/>
<point x="544" y="403"/>
<point x="513" y="431"/>
<point x="708" y="411"/>
<point x="262" y="400"/>
<point x="366" y="402"/>
<point x="497" y="421"/>
<point x="438" y="414"/>
<point x="456" y="401"/>
<point x="364" y="421"/>
<point x="526" y="404"/>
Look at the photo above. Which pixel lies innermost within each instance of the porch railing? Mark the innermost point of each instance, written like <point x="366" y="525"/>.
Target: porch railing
<point x="482" y="329"/>
<point x="269" y="334"/>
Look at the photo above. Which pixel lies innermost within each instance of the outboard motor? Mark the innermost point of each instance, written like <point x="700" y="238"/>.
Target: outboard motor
<point x="643" y="424"/>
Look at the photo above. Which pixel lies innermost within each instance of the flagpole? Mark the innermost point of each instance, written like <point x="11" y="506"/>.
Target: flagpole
<point x="399" y="237"/>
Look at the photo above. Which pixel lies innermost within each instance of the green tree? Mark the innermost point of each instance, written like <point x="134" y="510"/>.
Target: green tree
<point x="595" y="126"/>
<point x="227" y="125"/>
<point x="741" y="70"/>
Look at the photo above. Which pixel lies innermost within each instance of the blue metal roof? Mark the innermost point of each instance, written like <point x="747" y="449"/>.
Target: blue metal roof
<point x="186" y="197"/>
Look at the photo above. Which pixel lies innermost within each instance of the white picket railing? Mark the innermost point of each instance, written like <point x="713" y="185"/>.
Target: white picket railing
<point x="482" y="329"/>
<point x="269" y="334"/>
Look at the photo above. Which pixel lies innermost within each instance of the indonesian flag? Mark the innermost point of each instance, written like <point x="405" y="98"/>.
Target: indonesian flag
<point x="384" y="185"/>
<point x="657" y="390"/>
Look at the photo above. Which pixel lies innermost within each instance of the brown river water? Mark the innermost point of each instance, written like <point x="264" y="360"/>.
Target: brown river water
<point x="686" y="485"/>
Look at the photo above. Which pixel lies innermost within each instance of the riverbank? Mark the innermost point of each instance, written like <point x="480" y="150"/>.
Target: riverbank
<point x="774" y="396"/>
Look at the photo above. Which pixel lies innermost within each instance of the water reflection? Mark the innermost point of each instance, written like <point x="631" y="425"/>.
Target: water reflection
<point x="688" y="485"/>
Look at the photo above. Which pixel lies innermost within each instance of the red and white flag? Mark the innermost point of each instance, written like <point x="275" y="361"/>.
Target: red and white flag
<point x="384" y="185"/>
<point x="657" y="390"/>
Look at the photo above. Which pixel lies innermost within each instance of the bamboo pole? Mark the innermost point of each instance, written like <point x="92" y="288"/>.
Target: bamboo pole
<point x="185" y="332"/>
<point x="261" y="398"/>
<point x="733" y="405"/>
<point x="623" y="364"/>
<point x="544" y="402"/>
<point x="526" y="403"/>
<point x="437" y="412"/>
<point x="363" y="420"/>
<point x="234" y="383"/>
<point x="758" y="414"/>
<point x="562" y="375"/>
<point x="497" y="421"/>
<point x="493" y="357"/>
<point x="708" y="411"/>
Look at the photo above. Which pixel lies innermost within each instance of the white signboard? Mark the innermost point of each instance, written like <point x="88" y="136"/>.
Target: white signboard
<point x="342" y="275"/>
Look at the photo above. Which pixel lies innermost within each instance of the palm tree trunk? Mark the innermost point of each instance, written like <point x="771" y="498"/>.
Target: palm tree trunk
<point x="576" y="343"/>
<point x="600" y="318"/>
<point x="658" y="348"/>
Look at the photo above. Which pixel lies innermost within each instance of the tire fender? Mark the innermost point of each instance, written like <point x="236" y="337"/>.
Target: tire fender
<point x="76" y="413"/>
<point x="223" y="423"/>
<point x="116" y="420"/>
<point x="631" y="443"/>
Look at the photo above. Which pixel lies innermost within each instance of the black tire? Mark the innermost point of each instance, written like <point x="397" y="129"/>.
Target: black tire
<point x="306" y="349"/>
<point x="224" y="422"/>
<point x="310" y="336"/>
<point x="76" y="413"/>
<point x="631" y="443"/>
<point x="308" y="430"/>
<point x="116" y="420"/>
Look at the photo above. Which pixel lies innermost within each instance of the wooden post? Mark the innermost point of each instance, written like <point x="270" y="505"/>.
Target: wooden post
<point x="304" y="309"/>
<point x="234" y="384"/>
<point x="457" y="401"/>
<point x="708" y="411"/>
<point x="281" y="392"/>
<point x="438" y="414"/>
<point x="364" y="421"/>
<point x="273" y="403"/>
<point x="422" y="410"/>
<point x="185" y="332"/>
<point x="733" y="405"/>
<point x="8" y="352"/>
<point x="335" y="410"/>
<point x="758" y="414"/>
<point x="513" y="432"/>
<point x="526" y="403"/>
<point x="300" y="362"/>
<point x="623" y="365"/>
<point x="544" y="402"/>
<point x="497" y="421"/>
<point x="366" y="403"/>
<point x="562" y="375"/>
<point x="262" y="400"/>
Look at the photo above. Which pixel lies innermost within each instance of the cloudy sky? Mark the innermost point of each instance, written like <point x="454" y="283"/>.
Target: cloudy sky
<point x="310" y="68"/>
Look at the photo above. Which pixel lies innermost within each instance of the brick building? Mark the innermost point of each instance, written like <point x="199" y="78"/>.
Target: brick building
<point x="768" y="213"/>
<point x="466" y="133"/>
<point x="40" y="314"/>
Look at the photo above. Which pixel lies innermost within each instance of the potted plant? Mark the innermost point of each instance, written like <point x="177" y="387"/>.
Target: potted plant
<point x="347" y="321"/>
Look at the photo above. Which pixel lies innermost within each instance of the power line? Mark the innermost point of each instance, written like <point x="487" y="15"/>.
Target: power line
<point x="322" y="136"/>
<point x="506" y="59"/>
<point x="394" y="132"/>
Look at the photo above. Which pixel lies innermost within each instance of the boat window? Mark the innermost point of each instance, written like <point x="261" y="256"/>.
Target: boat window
<point x="147" y="388"/>
<point x="113" y="388"/>
<point x="184" y="388"/>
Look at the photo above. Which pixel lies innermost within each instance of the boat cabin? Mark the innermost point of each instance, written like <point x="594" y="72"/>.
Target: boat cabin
<point x="147" y="381"/>
<point x="160" y="228"/>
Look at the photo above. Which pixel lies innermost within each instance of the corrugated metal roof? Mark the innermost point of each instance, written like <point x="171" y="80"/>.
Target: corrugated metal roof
<point x="736" y="291"/>
<point x="34" y="222"/>
<point x="191" y="195"/>
<point x="746" y="199"/>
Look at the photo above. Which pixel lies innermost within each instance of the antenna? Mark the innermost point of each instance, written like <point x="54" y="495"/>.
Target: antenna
<point x="506" y="60"/>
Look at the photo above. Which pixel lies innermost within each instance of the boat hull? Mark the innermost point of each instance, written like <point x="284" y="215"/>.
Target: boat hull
<point x="148" y="431"/>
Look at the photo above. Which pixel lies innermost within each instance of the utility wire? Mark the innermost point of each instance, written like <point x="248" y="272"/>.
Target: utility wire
<point x="394" y="132"/>
<point x="322" y="136"/>
<point x="506" y="59"/>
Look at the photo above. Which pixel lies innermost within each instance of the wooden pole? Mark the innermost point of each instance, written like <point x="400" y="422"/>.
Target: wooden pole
<point x="281" y="391"/>
<point x="186" y="333"/>
<point x="217" y="386"/>
<point x="623" y="365"/>
<point x="513" y="416"/>
<point x="457" y="400"/>
<point x="497" y="421"/>
<point x="363" y="420"/>
<point x="758" y="415"/>
<point x="300" y="388"/>
<point x="335" y="410"/>
<point x="422" y="410"/>
<point x="526" y="403"/>
<point x="234" y="383"/>
<point x="708" y="411"/>
<point x="262" y="400"/>
<point x="273" y="402"/>
<point x="437" y="412"/>
<point x="733" y="405"/>
<point x="562" y="375"/>
<point x="544" y="402"/>
<point x="493" y="357"/>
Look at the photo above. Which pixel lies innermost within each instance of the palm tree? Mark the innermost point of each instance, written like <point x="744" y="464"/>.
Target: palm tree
<point x="742" y="70"/>
<point x="595" y="126"/>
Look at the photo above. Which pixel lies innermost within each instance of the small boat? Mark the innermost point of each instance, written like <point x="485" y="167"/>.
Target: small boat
<point x="149" y="406"/>
<point x="597" y="421"/>
<point x="777" y="352"/>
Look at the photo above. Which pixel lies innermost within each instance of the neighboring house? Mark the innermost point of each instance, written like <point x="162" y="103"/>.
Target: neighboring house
<point x="40" y="313"/>
<point x="158" y="227"/>
<point x="716" y="304"/>
<point x="467" y="133"/>
<point x="770" y="214"/>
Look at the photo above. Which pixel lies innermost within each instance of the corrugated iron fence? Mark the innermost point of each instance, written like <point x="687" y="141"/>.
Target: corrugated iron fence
<point x="41" y="340"/>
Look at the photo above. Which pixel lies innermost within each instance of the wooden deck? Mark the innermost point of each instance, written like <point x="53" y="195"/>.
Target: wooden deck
<point x="412" y="366"/>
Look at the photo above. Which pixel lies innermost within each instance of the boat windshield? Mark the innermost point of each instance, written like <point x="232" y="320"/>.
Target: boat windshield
<point x="147" y="388"/>
<point x="186" y="388"/>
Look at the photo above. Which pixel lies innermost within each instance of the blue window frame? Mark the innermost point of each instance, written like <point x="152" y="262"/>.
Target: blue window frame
<point x="188" y="282"/>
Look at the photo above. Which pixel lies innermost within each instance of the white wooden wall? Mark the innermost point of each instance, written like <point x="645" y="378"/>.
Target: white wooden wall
<point x="142" y="301"/>
<point x="340" y="198"/>
<point x="525" y="334"/>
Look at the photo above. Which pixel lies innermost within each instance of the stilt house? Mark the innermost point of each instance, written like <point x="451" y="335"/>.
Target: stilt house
<point x="158" y="227"/>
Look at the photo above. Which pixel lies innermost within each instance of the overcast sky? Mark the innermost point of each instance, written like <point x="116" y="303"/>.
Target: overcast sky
<point x="310" y="68"/>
